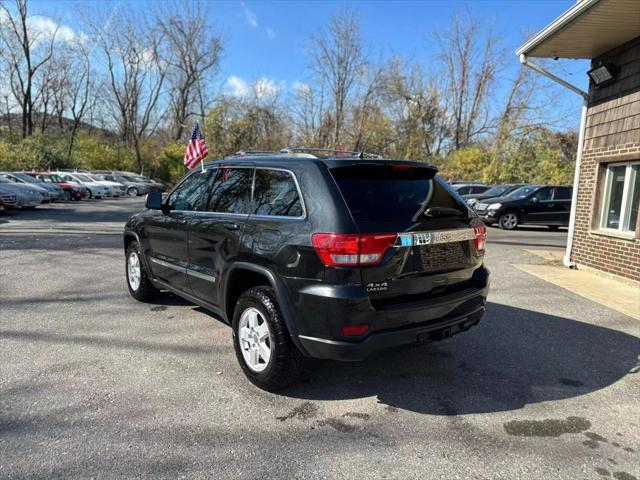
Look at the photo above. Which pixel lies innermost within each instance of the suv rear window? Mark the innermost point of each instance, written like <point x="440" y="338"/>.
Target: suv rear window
<point x="386" y="193"/>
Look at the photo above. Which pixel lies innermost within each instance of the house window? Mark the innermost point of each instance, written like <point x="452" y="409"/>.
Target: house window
<point x="621" y="197"/>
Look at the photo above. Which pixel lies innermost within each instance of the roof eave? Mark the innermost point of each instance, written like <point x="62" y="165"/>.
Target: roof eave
<point x="558" y="24"/>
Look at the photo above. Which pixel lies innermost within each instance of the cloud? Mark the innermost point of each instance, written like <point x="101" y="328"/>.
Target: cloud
<point x="43" y="29"/>
<point x="265" y="88"/>
<point x="236" y="86"/>
<point x="301" y="87"/>
<point x="271" y="33"/>
<point x="249" y="16"/>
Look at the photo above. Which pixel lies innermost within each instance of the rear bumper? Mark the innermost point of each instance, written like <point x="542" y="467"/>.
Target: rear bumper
<point x="320" y="312"/>
<point x="349" y="351"/>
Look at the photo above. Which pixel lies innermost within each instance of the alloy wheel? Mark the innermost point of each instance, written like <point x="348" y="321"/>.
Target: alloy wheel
<point x="509" y="221"/>
<point x="133" y="271"/>
<point x="255" y="339"/>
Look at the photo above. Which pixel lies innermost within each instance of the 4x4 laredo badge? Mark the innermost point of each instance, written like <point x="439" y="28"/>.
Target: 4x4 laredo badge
<point x="377" y="287"/>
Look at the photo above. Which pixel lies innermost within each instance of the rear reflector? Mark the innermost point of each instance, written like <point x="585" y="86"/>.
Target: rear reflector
<point x="350" y="250"/>
<point x="481" y="237"/>
<point x="354" y="330"/>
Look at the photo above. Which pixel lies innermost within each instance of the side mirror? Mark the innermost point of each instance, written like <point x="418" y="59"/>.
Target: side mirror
<point x="534" y="200"/>
<point x="154" y="201"/>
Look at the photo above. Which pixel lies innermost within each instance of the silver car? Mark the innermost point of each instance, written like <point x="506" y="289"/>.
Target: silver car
<point x="26" y="196"/>
<point x="55" y="192"/>
<point x="41" y="190"/>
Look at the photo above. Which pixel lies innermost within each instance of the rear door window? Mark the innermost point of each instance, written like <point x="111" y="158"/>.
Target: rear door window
<point x="276" y="193"/>
<point x="392" y="193"/>
<point x="562" y="193"/>
<point x="231" y="190"/>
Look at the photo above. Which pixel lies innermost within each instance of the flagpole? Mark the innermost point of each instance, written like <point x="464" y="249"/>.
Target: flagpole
<point x="202" y="165"/>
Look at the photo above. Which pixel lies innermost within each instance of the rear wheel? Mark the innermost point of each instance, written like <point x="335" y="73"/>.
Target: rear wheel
<point x="266" y="354"/>
<point x="508" y="221"/>
<point x="66" y="195"/>
<point x="140" y="287"/>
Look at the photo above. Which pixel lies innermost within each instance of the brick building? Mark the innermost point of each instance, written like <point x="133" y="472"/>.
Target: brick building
<point x="604" y="232"/>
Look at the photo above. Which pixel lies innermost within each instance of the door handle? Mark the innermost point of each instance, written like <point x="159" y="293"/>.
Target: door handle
<point x="231" y="226"/>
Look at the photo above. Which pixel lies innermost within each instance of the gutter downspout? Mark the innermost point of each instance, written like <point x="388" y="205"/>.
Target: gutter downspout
<point x="576" y="176"/>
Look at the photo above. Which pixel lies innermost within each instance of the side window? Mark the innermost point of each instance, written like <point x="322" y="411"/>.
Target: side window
<point x="276" y="194"/>
<point x="231" y="190"/>
<point x="191" y="193"/>
<point x="562" y="193"/>
<point x="543" y="195"/>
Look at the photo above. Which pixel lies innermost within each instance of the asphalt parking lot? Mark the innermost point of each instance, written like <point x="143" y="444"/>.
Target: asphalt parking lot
<point x="96" y="385"/>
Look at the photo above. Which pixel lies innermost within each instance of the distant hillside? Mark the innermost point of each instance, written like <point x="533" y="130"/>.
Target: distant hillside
<point x="53" y="124"/>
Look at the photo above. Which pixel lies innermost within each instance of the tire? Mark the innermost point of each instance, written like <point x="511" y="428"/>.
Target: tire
<point x="508" y="221"/>
<point x="553" y="227"/>
<point x="66" y="195"/>
<point x="132" y="191"/>
<point x="141" y="288"/>
<point x="90" y="194"/>
<point x="285" y="362"/>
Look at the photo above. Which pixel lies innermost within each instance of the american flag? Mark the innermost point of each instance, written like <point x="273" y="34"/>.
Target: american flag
<point x="196" y="149"/>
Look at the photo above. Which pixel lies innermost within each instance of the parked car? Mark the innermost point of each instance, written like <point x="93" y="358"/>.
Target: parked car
<point x="46" y="195"/>
<point x="151" y="184"/>
<point x="531" y="204"/>
<point x="72" y="191"/>
<point x="95" y="189"/>
<point x="115" y="189"/>
<point x="133" y="187"/>
<point x="26" y="196"/>
<point x="495" y="191"/>
<point x="8" y="200"/>
<point x="55" y="192"/>
<point x="469" y="188"/>
<point x="330" y="257"/>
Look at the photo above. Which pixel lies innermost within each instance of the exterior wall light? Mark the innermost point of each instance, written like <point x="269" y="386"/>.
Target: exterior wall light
<point x="603" y="74"/>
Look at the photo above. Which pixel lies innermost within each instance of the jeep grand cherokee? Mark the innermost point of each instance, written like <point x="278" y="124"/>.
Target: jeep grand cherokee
<point x="303" y="256"/>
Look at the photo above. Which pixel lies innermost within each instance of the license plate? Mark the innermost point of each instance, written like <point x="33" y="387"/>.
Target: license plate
<point x="433" y="238"/>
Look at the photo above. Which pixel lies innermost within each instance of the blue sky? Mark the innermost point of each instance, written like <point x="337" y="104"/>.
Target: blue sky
<point x="269" y="38"/>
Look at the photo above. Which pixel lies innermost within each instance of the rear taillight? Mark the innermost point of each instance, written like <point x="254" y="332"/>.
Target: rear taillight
<point x="481" y="237"/>
<point x="346" y="250"/>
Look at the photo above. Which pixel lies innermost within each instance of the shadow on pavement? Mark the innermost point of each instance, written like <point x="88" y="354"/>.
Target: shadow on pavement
<point x="513" y="358"/>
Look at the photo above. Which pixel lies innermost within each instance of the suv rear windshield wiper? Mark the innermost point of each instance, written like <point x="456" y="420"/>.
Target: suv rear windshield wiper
<point x="443" y="211"/>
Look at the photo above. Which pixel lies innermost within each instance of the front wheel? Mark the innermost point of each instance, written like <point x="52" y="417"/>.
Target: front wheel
<point x="266" y="354"/>
<point x="90" y="194"/>
<point x="140" y="287"/>
<point x="132" y="191"/>
<point x="508" y="221"/>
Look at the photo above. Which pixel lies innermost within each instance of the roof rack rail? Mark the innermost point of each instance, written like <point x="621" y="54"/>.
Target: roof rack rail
<point x="351" y="153"/>
<point x="243" y="153"/>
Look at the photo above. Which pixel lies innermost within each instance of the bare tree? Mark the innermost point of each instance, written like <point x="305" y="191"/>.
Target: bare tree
<point x="416" y="108"/>
<point x="338" y="59"/>
<point x="136" y="73"/>
<point x="470" y="55"/>
<point x="309" y="116"/>
<point x="193" y="57"/>
<point x="25" y="52"/>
